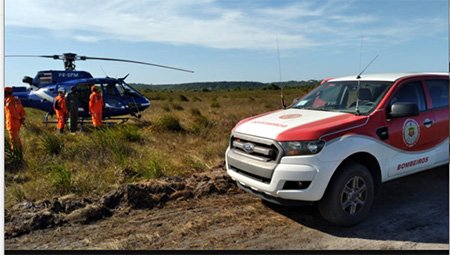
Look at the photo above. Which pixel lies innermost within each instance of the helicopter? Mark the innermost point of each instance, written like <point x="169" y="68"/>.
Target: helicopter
<point x="119" y="97"/>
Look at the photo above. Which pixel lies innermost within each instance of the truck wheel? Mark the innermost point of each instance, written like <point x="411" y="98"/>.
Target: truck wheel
<point x="349" y="197"/>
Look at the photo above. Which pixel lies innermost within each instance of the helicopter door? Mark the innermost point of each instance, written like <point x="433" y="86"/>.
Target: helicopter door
<point x="84" y="91"/>
<point x="113" y="100"/>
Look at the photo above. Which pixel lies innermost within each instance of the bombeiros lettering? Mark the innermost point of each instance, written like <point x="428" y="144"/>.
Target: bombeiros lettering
<point x="412" y="163"/>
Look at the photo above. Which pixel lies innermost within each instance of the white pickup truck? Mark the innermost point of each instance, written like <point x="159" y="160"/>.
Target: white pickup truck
<point x="338" y="143"/>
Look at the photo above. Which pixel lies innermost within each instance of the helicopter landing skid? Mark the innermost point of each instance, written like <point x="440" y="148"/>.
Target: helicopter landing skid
<point x="109" y="121"/>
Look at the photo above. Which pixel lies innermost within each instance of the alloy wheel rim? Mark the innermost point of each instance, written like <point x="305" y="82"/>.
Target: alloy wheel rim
<point x="354" y="195"/>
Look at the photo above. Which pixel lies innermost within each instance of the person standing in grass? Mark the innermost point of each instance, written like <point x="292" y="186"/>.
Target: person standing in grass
<point x="14" y="118"/>
<point x="96" y="107"/>
<point x="72" y="99"/>
<point x="60" y="107"/>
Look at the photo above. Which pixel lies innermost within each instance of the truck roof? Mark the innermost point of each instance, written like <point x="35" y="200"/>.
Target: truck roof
<point x="384" y="76"/>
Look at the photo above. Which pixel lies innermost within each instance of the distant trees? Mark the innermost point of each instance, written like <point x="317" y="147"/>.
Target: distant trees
<point x="225" y="85"/>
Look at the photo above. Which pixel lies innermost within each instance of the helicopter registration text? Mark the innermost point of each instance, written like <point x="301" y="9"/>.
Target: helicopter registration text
<point x="68" y="74"/>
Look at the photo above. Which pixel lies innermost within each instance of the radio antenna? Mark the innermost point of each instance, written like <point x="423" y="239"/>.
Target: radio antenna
<point x="104" y="71"/>
<point x="360" y="53"/>
<point x="283" y="105"/>
<point x="359" y="75"/>
<point x="359" y="85"/>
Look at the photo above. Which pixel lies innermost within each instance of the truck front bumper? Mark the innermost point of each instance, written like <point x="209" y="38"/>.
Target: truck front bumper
<point x="306" y="169"/>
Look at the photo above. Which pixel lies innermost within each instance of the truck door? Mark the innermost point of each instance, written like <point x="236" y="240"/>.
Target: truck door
<point x="438" y="98"/>
<point x="411" y="137"/>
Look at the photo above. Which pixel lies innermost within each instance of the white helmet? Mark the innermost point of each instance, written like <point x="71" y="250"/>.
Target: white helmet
<point x="61" y="89"/>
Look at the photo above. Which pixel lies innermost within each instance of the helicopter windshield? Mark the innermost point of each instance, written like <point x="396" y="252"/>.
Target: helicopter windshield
<point x="341" y="96"/>
<point x="128" y="89"/>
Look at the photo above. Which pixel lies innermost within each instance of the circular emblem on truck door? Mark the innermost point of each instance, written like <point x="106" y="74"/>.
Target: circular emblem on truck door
<point x="411" y="132"/>
<point x="290" y="116"/>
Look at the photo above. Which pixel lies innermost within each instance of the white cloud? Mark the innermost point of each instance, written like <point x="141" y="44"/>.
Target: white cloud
<point x="209" y="23"/>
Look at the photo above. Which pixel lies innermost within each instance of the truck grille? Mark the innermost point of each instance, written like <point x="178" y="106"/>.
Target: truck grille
<point x="264" y="150"/>
<point x="250" y="175"/>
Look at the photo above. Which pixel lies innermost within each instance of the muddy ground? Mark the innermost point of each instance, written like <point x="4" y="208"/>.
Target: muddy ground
<point x="208" y="212"/>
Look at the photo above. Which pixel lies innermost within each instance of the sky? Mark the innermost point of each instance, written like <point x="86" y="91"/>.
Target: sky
<point x="228" y="40"/>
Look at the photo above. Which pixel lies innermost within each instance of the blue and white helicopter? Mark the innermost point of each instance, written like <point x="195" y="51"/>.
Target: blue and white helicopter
<point x="120" y="98"/>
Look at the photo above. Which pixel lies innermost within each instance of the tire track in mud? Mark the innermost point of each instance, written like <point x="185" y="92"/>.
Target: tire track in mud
<point x="28" y="216"/>
<point x="409" y="213"/>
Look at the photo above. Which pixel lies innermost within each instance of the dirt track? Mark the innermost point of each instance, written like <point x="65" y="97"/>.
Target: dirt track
<point x="409" y="213"/>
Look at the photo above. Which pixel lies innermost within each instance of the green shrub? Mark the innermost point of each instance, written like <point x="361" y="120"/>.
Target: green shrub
<point x="215" y="104"/>
<point x="34" y="128"/>
<point x="183" y="98"/>
<point x="51" y="143"/>
<point x="112" y="140"/>
<point x="131" y="133"/>
<point x="152" y="168"/>
<point x="12" y="157"/>
<point x="201" y="123"/>
<point x="168" y="123"/>
<point x="177" y="107"/>
<point x="17" y="192"/>
<point x="60" y="178"/>
<point x="195" y="112"/>
<point x="196" y="99"/>
<point x="195" y="163"/>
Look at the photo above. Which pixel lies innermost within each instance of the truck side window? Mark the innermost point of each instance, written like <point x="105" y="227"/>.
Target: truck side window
<point x="439" y="92"/>
<point x="411" y="92"/>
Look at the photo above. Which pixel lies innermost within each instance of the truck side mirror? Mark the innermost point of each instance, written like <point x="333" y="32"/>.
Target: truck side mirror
<point x="403" y="109"/>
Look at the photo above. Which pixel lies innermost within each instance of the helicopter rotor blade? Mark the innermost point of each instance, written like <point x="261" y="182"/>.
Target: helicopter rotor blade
<point x="35" y="56"/>
<point x="69" y="58"/>
<point x="136" y="62"/>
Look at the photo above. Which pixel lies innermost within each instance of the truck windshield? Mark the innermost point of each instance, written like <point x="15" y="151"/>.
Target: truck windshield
<point x="341" y="96"/>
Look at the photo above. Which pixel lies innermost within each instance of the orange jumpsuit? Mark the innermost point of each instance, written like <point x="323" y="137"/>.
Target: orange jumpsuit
<point x="61" y="113"/>
<point x="15" y="115"/>
<point x="96" y="108"/>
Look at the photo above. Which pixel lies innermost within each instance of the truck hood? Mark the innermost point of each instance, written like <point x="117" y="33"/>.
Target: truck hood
<point x="298" y="124"/>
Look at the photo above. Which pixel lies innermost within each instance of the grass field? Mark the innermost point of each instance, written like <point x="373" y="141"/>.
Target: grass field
<point x="180" y="134"/>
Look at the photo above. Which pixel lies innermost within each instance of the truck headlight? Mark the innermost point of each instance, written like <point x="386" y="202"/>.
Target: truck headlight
<point x="296" y="148"/>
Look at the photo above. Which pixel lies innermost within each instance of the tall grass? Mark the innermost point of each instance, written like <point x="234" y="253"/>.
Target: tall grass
<point x="116" y="141"/>
<point x="153" y="167"/>
<point x="168" y="123"/>
<point x="13" y="158"/>
<point x="171" y="142"/>
<point x="60" y="178"/>
<point x="51" y="143"/>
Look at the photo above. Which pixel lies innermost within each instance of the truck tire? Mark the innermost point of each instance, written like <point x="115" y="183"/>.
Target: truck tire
<point x="349" y="196"/>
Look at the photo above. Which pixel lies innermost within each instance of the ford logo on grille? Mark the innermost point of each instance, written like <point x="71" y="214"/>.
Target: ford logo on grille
<point x="249" y="147"/>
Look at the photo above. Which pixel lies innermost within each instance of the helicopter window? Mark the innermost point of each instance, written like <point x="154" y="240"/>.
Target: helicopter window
<point x="120" y="89"/>
<point x="109" y="89"/>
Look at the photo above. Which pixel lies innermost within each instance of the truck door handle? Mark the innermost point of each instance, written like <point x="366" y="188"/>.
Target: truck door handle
<point x="427" y="123"/>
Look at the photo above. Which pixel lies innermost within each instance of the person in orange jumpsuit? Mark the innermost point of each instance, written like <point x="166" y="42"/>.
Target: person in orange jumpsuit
<point x="14" y="118"/>
<point x="60" y="108"/>
<point x="96" y="107"/>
